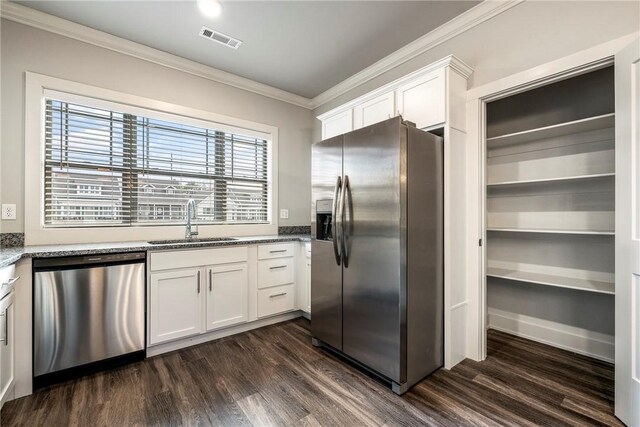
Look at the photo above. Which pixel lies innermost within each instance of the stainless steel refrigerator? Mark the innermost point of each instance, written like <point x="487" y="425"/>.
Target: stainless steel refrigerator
<point x="377" y="250"/>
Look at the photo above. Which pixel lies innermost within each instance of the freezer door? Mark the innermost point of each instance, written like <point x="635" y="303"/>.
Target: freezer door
<point x="326" y="269"/>
<point x="373" y="278"/>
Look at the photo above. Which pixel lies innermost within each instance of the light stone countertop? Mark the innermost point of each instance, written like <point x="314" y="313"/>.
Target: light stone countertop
<point x="9" y="256"/>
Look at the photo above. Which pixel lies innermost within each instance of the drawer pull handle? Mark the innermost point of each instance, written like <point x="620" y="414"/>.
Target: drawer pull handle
<point x="5" y="340"/>
<point x="11" y="282"/>
<point x="278" y="251"/>
<point x="278" y="295"/>
<point x="277" y="266"/>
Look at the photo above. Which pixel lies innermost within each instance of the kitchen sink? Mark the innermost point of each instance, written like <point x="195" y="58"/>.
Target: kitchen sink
<point x="185" y="241"/>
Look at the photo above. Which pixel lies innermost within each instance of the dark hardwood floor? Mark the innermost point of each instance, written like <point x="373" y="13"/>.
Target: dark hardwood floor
<point x="274" y="376"/>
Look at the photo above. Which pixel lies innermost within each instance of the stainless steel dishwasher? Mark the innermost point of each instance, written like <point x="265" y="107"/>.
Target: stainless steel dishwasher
<point x="88" y="314"/>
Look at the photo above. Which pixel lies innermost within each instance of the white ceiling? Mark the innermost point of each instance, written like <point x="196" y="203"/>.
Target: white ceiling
<point x="303" y="47"/>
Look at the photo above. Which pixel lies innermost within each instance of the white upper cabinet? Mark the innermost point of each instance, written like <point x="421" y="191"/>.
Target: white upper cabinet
<point x="337" y="124"/>
<point x="422" y="100"/>
<point x="374" y="110"/>
<point x="421" y="97"/>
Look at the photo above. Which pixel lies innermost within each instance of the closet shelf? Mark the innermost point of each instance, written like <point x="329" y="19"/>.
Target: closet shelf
<point x="548" y="231"/>
<point x="576" y="126"/>
<point x="554" y="179"/>
<point x="551" y="280"/>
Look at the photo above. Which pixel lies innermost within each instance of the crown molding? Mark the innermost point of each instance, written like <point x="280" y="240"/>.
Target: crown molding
<point x="474" y="16"/>
<point x="461" y="23"/>
<point x="34" y="18"/>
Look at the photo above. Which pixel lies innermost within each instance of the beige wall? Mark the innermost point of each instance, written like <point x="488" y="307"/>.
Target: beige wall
<point x="527" y="35"/>
<point x="24" y="48"/>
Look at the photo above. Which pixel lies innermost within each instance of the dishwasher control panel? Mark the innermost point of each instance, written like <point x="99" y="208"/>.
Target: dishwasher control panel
<point x="85" y="260"/>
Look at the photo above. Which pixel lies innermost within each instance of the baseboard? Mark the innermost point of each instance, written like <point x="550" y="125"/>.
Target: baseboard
<point x="214" y="335"/>
<point x="456" y="340"/>
<point x="8" y="395"/>
<point x="306" y="314"/>
<point x="582" y="341"/>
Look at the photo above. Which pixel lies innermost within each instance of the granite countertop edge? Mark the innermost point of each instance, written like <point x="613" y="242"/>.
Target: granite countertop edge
<point x="10" y="256"/>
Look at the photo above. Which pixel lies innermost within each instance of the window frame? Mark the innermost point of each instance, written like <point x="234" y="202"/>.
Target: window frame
<point x="38" y="87"/>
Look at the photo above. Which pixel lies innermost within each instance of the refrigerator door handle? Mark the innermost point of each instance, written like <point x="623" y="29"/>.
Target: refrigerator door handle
<point x="343" y="234"/>
<point x="334" y="215"/>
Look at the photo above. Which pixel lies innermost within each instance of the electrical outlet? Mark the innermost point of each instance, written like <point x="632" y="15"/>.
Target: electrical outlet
<point x="284" y="213"/>
<point x="8" y="211"/>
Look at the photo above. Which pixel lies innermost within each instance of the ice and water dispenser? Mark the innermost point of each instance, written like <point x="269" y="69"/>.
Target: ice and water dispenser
<point x="324" y="219"/>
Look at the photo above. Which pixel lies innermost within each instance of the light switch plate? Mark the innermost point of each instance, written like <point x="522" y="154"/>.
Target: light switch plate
<point x="8" y="211"/>
<point x="284" y="213"/>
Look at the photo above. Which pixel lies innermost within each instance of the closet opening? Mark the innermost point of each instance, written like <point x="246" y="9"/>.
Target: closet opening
<point x="549" y="214"/>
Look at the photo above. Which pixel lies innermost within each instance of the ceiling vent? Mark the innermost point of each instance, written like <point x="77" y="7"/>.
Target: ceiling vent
<point x="218" y="37"/>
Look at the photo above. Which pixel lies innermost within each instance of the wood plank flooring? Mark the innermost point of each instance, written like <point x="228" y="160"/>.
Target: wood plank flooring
<point x="274" y="376"/>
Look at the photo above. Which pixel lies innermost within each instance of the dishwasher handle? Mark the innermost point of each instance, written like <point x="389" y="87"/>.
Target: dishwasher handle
<point x="82" y="261"/>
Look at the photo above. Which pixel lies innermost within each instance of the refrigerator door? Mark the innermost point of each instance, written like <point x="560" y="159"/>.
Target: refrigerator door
<point x="374" y="246"/>
<point x="326" y="269"/>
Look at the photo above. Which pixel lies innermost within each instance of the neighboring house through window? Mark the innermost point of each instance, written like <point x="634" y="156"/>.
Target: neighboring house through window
<point x="108" y="167"/>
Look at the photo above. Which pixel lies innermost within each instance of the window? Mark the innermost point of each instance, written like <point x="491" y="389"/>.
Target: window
<point x="105" y="167"/>
<point x="88" y="189"/>
<point x="147" y="189"/>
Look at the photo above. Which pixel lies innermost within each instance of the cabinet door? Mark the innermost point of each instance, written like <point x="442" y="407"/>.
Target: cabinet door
<point x="7" y="361"/>
<point x="227" y="299"/>
<point x="422" y="100"/>
<point x="307" y="273"/>
<point x="337" y="124"/>
<point x="374" y="110"/>
<point x="175" y="304"/>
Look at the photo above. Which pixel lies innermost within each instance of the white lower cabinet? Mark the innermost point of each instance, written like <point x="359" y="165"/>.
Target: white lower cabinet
<point x="276" y="300"/>
<point x="276" y="278"/>
<point x="175" y="305"/>
<point x="227" y="299"/>
<point x="275" y="272"/>
<point x="304" y="278"/>
<point x="307" y="283"/>
<point x="7" y="358"/>
<point x="196" y="291"/>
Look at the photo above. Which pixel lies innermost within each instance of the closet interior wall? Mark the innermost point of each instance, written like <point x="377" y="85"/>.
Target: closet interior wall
<point x="550" y="213"/>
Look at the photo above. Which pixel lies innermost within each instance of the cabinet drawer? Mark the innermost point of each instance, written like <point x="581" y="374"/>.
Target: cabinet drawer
<point x="307" y="249"/>
<point x="197" y="257"/>
<point x="275" y="300"/>
<point x="275" y="272"/>
<point x="278" y="250"/>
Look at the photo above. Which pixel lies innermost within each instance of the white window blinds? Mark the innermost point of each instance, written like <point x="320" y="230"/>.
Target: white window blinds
<point x="113" y="168"/>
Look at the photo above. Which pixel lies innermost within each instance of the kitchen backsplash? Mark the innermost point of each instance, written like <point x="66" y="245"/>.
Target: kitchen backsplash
<point x="295" y="229"/>
<point x="11" y="240"/>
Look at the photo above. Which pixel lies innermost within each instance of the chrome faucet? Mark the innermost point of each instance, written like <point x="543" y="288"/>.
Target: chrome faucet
<point x="191" y="213"/>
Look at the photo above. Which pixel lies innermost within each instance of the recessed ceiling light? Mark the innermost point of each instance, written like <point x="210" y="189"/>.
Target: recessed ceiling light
<point x="210" y="8"/>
